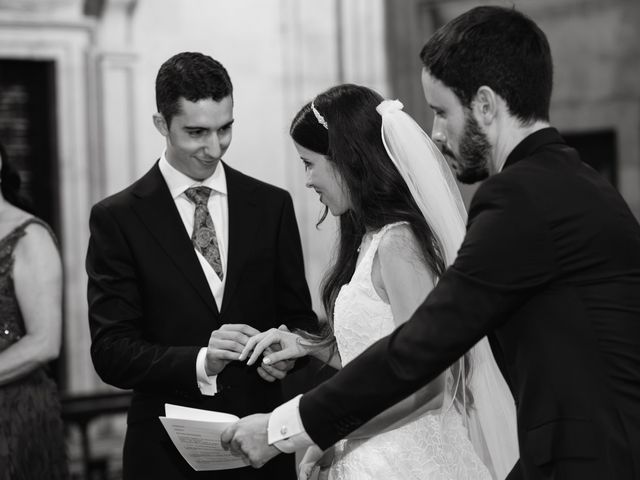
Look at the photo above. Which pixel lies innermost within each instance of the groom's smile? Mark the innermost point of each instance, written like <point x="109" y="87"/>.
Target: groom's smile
<point x="198" y="136"/>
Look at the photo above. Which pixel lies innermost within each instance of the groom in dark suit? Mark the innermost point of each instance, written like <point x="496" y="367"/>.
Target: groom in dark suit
<point x="549" y="269"/>
<point x="184" y="265"/>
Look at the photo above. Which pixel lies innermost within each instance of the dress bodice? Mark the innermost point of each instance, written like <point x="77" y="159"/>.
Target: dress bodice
<point x="12" y="326"/>
<point x="430" y="447"/>
<point x="11" y="323"/>
<point x="360" y="316"/>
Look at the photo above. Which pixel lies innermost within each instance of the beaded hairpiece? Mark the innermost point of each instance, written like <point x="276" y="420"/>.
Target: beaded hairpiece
<point x="319" y="117"/>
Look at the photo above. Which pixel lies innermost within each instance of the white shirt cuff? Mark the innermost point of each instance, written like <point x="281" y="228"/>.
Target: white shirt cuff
<point x="285" y="429"/>
<point x="207" y="384"/>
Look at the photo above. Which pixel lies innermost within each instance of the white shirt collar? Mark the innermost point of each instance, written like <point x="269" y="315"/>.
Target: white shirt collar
<point x="178" y="182"/>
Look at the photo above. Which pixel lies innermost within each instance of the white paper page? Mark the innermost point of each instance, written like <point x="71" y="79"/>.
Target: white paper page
<point x="188" y="413"/>
<point x="198" y="440"/>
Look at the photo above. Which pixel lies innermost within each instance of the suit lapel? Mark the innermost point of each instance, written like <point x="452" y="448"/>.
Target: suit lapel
<point x="157" y="211"/>
<point x="243" y="223"/>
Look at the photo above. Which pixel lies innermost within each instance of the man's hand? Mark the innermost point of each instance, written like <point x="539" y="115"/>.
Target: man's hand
<point x="225" y="345"/>
<point x="248" y="438"/>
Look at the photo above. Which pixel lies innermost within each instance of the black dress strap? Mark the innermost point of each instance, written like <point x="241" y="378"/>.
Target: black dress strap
<point x="10" y="240"/>
<point x="19" y="230"/>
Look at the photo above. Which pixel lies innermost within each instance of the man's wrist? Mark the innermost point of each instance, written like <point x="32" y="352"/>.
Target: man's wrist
<point x="207" y="384"/>
<point x="285" y="430"/>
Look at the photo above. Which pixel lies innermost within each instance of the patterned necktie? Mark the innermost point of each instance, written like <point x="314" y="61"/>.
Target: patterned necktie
<point x="204" y="233"/>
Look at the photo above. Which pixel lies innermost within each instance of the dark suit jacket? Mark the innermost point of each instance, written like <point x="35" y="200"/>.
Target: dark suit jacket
<point x="550" y="269"/>
<point x="151" y="309"/>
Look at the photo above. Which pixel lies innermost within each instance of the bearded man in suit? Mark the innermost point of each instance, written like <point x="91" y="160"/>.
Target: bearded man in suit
<point x="549" y="269"/>
<point x="184" y="266"/>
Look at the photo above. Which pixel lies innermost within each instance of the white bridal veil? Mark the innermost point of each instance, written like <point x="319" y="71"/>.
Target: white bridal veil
<point x="491" y="421"/>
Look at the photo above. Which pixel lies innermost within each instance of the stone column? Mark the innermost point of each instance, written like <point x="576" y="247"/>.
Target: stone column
<point x="362" y="34"/>
<point x="112" y="67"/>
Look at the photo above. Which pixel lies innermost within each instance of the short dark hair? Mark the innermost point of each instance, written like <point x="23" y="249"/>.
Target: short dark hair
<point x="497" y="47"/>
<point x="191" y="75"/>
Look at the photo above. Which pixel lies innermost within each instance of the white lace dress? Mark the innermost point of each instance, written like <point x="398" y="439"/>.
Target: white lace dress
<point x="427" y="448"/>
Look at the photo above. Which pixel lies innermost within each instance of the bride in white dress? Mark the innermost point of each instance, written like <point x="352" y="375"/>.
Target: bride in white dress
<point x="401" y="223"/>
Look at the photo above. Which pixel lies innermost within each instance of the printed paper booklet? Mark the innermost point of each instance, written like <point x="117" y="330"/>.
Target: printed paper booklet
<point x="196" y="435"/>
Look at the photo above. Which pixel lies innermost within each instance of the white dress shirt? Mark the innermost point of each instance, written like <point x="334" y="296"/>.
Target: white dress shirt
<point x="218" y="206"/>
<point x="285" y="430"/>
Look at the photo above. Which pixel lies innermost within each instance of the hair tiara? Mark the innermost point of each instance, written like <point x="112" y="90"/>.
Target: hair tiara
<point x="318" y="116"/>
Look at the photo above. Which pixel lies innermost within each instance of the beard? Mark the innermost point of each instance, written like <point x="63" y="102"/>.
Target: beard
<point x="474" y="152"/>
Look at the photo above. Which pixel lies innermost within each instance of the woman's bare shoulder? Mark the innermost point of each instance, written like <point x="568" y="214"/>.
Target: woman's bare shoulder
<point x="399" y="241"/>
<point x="38" y="245"/>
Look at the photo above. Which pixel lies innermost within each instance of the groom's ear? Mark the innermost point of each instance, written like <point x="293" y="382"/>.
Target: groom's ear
<point x="160" y="124"/>
<point x="485" y="105"/>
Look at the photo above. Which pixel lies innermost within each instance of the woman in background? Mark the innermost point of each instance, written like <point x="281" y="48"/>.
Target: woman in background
<point x="31" y="430"/>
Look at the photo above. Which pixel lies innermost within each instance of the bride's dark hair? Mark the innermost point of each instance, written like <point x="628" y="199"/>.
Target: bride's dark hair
<point x="378" y="194"/>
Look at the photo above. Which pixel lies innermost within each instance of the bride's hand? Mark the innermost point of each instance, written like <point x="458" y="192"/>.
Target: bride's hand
<point x="308" y="463"/>
<point x="315" y="458"/>
<point x="290" y="346"/>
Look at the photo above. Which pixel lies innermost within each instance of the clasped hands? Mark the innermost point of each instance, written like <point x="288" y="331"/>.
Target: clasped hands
<point x="229" y="342"/>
